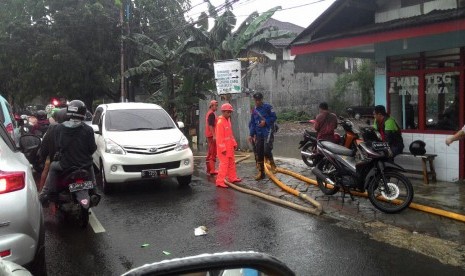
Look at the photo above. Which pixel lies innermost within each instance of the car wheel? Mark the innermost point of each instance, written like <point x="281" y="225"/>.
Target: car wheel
<point x="184" y="180"/>
<point x="105" y="185"/>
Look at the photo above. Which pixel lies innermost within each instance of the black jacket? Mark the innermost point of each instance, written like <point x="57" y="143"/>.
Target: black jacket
<point x="76" y="145"/>
<point x="48" y="149"/>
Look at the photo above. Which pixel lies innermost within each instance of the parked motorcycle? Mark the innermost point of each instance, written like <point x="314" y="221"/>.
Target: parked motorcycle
<point x="308" y="144"/>
<point x="372" y="170"/>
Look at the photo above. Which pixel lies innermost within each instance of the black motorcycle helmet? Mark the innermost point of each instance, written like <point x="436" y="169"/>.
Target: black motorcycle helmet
<point x="41" y="115"/>
<point x="76" y="109"/>
<point x="258" y="96"/>
<point x="417" y="147"/>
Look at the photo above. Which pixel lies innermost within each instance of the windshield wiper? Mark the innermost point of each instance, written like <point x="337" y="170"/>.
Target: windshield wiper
<point x="166" y="127"/>
<point x="139" y="128"/>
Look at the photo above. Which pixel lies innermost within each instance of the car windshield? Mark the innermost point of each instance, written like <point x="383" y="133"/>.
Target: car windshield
<point x="137" y="120"/>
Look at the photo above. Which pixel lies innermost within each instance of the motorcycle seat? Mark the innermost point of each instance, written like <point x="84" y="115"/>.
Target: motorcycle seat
<point x="337" y="149"/>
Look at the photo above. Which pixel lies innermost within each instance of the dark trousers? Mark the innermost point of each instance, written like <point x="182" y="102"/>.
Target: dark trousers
<point x="263" y="147"/>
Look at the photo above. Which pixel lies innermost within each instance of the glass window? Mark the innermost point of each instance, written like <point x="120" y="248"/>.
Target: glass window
<point x="137" y="120"/>
<point x="442" y="58"/>
<point x="404" y="63"/>
<point x="442" y="100"/>
<point x="403" y="96"/>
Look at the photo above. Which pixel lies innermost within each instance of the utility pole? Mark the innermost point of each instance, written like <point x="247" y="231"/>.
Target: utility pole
<point x="121" y="21"/>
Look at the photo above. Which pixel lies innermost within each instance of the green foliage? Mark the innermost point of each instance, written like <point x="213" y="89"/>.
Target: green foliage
<point x="292" y="116"/>
<point x="363" y="77"/>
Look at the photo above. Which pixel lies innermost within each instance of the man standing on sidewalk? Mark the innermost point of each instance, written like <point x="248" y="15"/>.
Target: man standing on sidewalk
<point x="226" y="145"/>
<point x="326" y="123"/>
<point x="261" y="128"/>
<point x="210" y="123"/>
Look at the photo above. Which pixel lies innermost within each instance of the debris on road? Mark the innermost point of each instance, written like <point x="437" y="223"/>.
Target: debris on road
<point x="200" y="231"/>
<point x="145" y="245"/>
<point x="166" y="253"/>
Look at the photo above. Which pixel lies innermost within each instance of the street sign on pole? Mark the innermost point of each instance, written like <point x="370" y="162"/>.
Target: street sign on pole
<point x="228" y="76"/>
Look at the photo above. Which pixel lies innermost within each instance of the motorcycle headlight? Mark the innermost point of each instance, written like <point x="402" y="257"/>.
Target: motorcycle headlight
<point x="113" y="148"/>
<point x="182" y="144"/>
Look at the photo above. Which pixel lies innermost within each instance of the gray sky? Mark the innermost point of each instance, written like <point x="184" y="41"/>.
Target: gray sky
<point x="302" y="16"/>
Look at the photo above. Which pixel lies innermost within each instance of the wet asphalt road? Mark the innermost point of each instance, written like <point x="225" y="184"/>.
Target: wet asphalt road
<point x="164" y="215"/>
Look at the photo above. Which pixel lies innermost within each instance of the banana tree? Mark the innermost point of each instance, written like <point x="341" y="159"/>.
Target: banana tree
<point x="165" y="65"/>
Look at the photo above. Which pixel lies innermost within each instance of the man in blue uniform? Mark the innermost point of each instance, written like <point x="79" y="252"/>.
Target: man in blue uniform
<point x="261" y="127"/>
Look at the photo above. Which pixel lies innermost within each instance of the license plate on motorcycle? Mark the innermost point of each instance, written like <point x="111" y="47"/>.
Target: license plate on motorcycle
<point x="86" y="185"/>
<point x="154" y="173"/>
<point x="380" y="145"/>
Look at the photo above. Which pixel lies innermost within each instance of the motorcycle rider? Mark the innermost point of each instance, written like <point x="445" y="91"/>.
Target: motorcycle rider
<point x="389" y="130"/>
<point x="42" y="124"/>
<point x="47" y="148"/>
<point x="75" y="144"/>
<point x="261" y="128"/>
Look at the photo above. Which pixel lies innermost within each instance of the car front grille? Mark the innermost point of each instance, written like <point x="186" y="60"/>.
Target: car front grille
<point x="139" y="168"/>
<point x="150" y="150"/>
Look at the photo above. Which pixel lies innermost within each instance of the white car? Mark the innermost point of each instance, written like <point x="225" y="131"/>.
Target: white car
<point x="137" y="141"/>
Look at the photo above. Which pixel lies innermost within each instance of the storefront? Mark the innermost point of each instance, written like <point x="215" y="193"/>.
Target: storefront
<point x="420" y="67"/>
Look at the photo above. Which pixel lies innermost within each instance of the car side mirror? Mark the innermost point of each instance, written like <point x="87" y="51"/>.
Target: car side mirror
<point x="230" y="263"/>
<point x="96" y="129"/>
<point x="180" y="125"/>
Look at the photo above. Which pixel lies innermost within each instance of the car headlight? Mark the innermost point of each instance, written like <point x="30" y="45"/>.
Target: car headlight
<point x="182" y="144"/>
<point x="113" y="148"/>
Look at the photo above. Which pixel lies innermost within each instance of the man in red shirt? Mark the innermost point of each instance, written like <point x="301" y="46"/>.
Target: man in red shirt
<point x="325" y="124"/>
<point x="210" y="124"/>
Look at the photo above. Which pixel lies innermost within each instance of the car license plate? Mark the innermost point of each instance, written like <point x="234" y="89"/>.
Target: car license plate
<point x="86" y="185"/>
<point x="154" y="173"/>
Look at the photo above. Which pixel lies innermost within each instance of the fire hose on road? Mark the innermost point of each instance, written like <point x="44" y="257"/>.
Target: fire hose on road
<point x="415" y="206"/>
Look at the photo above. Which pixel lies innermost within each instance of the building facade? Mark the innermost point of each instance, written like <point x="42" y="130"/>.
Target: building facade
<point x="419" y="50"/>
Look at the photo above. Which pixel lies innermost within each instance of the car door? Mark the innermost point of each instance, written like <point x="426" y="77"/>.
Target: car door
<point x="99" y="140"/>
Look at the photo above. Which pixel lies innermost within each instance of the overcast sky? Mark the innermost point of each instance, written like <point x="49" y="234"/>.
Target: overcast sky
<point x="299" y="12"/>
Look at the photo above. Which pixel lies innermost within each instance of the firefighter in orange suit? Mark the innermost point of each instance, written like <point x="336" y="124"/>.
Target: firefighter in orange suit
<point x="225" y="145"/>
<point x="210" y="123"/>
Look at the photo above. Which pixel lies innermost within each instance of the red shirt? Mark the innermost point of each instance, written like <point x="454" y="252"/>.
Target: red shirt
<point x="325" y="124"/>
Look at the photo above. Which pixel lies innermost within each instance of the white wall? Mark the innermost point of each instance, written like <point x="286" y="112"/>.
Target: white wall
<point x="446" y="163"/>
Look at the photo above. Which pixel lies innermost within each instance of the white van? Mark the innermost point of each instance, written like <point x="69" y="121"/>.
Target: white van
<point x="137" y="141"/>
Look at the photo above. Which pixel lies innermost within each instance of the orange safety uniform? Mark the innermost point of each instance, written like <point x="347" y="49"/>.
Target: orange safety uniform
<point x="211" y="153"/>
<point x="226" y="145"/>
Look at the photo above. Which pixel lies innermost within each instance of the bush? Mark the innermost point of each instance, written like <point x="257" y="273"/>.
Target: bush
<point x="292" y="116"/>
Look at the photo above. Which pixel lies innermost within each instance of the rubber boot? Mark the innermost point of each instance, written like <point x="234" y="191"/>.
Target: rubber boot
<point x="261" y="171"/>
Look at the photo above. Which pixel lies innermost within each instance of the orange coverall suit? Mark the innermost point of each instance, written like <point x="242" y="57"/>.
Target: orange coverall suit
<point x="225" y="145"/>
<point x="211" y="154"/>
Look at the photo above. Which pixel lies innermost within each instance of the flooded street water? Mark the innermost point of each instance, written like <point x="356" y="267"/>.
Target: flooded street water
<point x="287" y="145"/>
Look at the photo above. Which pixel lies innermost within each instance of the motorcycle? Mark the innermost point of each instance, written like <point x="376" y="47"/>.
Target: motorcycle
<point x="309" y="142"/>
<point x="75" y="191"/>
<point x="75" y="195"/>
<point x="369" y="167"/>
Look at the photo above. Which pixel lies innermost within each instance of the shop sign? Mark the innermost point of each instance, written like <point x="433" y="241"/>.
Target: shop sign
<point x="404" y="85"/>
<point x="438" y="83"/>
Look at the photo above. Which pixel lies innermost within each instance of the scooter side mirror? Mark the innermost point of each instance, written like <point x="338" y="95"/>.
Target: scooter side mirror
<point x="368" y="122"/>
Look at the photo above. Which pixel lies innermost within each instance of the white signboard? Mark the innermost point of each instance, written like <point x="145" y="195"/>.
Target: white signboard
<point x="228" y="76"/>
